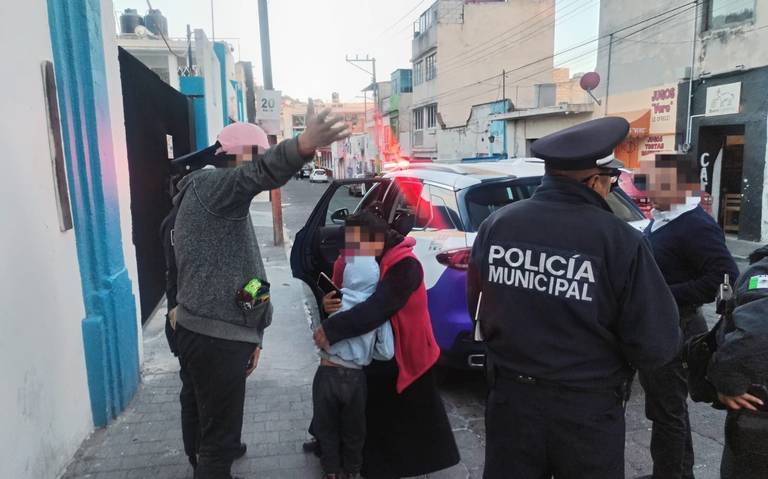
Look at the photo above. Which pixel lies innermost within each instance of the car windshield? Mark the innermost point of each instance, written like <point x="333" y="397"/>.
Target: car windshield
<point x="482" y="200"/>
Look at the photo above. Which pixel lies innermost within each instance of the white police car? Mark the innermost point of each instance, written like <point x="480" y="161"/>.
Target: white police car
<point x="445" y="203"/>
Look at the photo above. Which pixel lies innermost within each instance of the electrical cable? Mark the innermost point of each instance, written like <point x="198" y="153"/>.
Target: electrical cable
<point x="162" y="35"/>
<point x="690" y="6"/>
<point x="603" y="47"/>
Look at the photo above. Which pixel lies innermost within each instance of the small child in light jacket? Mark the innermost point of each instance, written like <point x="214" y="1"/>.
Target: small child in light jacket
<point x="339" y="390"/>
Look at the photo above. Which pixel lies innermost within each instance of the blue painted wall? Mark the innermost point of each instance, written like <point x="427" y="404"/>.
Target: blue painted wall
<point x="110" y="335"/>
<point x="498" y="129"/>
<point x="195" y="87"/>
<point x="220" y="48"/>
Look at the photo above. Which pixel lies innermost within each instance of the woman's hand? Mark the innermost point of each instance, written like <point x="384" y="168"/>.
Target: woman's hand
<point x="321" y="341"/>
<point x="331" y="303"/>
<point x="745" y="401"/>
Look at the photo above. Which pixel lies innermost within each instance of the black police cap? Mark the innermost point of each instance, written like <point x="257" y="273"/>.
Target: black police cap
<point x="584" y="146"/>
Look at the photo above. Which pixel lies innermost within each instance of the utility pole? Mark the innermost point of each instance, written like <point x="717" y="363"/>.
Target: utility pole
<point x="266" y="65"/>
<point x="504" y="86"/>
<point x="354" y="62"/>
<point x="213" y="25"/>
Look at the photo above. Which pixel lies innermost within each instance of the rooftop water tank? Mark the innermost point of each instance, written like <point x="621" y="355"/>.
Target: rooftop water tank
<point x="156" y="22"/>
<point x="129" y="20"/>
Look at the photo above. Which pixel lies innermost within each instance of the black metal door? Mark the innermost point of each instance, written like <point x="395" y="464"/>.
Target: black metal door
<point x="156" y="114"/>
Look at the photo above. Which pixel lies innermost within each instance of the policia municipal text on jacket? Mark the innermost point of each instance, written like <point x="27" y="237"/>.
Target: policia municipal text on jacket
<point x="570" y="301"/>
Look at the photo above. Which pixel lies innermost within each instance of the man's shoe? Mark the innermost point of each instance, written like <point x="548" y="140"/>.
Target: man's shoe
<point x="241" y="452"/>
<point x="312" y="446"/>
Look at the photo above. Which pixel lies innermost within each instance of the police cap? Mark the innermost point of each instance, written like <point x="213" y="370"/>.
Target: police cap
<point x="584" y="146"/>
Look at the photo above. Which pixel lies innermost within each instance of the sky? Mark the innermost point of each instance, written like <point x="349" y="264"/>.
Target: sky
<point x="311" y="38"/>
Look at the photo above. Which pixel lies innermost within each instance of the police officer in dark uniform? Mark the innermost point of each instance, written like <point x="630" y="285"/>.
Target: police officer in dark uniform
<point x="570" y="301"/>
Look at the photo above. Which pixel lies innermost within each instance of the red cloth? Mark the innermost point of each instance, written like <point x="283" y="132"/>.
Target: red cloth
<point x="416" y="350"/>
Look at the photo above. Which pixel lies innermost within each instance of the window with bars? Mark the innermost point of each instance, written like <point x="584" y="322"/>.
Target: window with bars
<point x="418" y="72"/>
<point x="418" y="119"/>
<point x="431" y="116"/>
<point x="431" y="66"/>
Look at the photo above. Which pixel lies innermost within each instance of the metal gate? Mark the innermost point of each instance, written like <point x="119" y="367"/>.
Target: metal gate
<point x="156" y="116"/>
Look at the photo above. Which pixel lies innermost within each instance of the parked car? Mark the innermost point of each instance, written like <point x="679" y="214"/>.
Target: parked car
<point x="306" y="171"/>
<point x="360" y="189"/>
<point x="627" y="183"/>
<point x="318" y="176"/>
<point x="446" y="204"/>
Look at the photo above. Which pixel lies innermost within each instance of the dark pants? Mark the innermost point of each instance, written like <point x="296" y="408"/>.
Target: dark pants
<point x="539" y="431"/>
<point x="745" y="455"/>
<point x="666" y="404"/>
<point x="190" y="423"/>
<point x="338" y="422"/>
<point x="216" y="368"/>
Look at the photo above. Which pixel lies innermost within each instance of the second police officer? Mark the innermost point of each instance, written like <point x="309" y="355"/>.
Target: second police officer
<point x="570" y="301"/>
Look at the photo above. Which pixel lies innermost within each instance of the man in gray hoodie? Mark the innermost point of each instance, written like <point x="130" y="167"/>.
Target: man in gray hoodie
<point x="218" y="334"/>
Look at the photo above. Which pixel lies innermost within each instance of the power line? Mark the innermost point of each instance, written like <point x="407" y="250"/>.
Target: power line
<point x="591" y="51"/>
<point x="378" y="37"/>
<point x="690" y="6"/>
<point x="509" y="35"/>
<point x="162" y="35"/>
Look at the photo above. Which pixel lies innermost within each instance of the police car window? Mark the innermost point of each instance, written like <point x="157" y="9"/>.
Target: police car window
<point x="483" y="200"/>
<point x="343" y="199"/>
<point x="445" y="209"/>
<point x="622" y="206"/>
<point x="375" y="193"/>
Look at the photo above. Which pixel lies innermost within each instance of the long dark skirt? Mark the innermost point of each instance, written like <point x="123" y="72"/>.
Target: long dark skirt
<point x="408" y="434"/>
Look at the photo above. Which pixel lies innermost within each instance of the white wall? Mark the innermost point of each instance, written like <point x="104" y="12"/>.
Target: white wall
<point x="44" y="398"/>
<point x="521" y="132"/>
<point x="117" y="119"/>
<point x="209" y="70"/>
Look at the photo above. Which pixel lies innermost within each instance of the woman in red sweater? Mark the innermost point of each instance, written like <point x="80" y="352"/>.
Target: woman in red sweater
<point x="408" y="432"/>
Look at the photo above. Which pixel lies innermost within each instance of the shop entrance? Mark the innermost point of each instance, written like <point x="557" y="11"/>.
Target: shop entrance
<point x="721" y="159"/>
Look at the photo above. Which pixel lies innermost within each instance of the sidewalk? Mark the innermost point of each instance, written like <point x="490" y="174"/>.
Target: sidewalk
<point x="741" y="249"/>
<point x="145" y="441"/>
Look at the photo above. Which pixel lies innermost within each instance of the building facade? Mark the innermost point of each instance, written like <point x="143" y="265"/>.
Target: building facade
<point x="711" y="48"/>
<point x="469" y="53"/>
<point x="70" y="351"/>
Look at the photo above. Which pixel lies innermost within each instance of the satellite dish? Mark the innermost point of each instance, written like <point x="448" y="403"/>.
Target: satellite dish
<point x="589" y="81"/>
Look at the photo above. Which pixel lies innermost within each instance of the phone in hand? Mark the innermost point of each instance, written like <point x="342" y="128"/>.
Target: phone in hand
<point x="326" y="285"/>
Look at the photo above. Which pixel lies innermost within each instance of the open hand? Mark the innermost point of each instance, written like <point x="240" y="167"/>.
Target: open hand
<point x="322" y="130"/>
<point x="331" y="303"/>
<point x="745" y="401"/>
<point x="253" y="361"/>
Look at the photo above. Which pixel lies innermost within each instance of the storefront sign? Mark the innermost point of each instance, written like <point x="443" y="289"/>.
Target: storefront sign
<point x="663" y="110"/>
<point x="723" y="99"/>
<point x="656" y="144"/>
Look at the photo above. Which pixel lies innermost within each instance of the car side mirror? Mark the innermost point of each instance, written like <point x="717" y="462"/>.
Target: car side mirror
<point x="340" y="216"/>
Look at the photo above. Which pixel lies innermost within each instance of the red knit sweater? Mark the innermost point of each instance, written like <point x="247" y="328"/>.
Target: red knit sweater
<point x="416" y="350"/>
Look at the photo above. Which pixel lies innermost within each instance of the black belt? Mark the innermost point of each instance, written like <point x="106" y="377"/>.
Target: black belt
<point x="495" y="372"/>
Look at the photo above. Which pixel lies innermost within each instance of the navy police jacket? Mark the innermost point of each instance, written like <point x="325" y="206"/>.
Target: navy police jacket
<point x="570" y="292"/>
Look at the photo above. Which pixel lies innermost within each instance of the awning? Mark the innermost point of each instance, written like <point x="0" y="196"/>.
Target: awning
<point x="639" y="122"/>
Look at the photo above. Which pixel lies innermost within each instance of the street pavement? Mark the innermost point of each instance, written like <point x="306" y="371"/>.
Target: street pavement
<point x="145" y="441"/>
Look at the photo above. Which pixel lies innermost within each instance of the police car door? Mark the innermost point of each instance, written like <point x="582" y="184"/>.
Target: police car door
<point x="317" y="245"/>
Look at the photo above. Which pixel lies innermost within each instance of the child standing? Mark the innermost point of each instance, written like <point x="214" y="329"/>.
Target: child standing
<point x="339" y="389"/>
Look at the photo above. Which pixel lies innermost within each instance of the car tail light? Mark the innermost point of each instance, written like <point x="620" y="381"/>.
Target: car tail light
<point x="455" y="258"/>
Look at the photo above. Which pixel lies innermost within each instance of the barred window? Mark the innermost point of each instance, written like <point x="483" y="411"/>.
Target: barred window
<point x="431" y="116"/>
<point x="418" y="72"/>
<point x="431" y="66"/>
<point x="418" y="119"/>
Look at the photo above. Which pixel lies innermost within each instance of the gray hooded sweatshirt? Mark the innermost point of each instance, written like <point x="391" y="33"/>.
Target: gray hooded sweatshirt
<point x="216" y="248"/>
